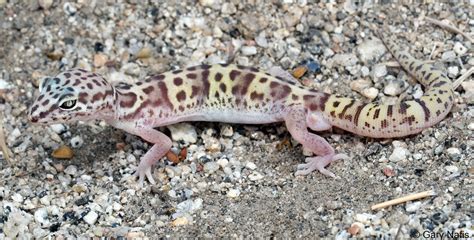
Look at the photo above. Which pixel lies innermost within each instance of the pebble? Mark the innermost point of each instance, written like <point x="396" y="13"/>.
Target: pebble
<point x="227" y="131"/>
<point x="41" y="216"/>
<point x="399" y="154"/>
<point x="448" y="56"/>
<point x="211" y="167"/>
<point x="100" y="60"/>
<point x="45" y="4"/>
<point x="76" y="142"/>
<point x="255" y="176"/>
<point x="63" y="152"/>
<point x="17" y="198"/>
<point x="5" y="85"/>
<point x="453" y="71"/>
<point x="251" y="165"/>
<point x="370" y="93"/>
<point x="360" y="85"/>
<point x="233" y="193"/>
<point x="413" y="206"/>
<point x="451" y="168"/>
<point x="261" y="40"/>
<point x="379" y="71"/>
<point x="459" y="49"/>
<point x="71" y="170"/>
<point x="365" y="218"/>
<point x="370" y="50"/>
<point x="345" y="59"/>
<point x="222" y="162"/>
<point x="183" y="132"/>
<point x="248" y="50"/>
<point x="470" y="126"/>
<point x="58" y="128"/>
<point x="91" y="217"/>
<point x="395" y="87"/>
<point x="454" y="153"/>
<point x="181" y="221"/>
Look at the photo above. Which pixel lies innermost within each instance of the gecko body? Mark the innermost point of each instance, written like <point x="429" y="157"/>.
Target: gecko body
<point x="238" y="94"/>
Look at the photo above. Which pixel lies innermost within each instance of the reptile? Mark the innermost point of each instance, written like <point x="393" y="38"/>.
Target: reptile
<point x="239" y="94"/>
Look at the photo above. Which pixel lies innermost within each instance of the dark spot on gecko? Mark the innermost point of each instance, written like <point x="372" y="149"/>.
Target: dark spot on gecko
<point x="67" y="75"/>
<point x="77" y="74"/>
<point x="181" y="108"/>
<point x="439" y="84"/>
<point x="89" y="85"/>
<point x="438" y="113"/>
<point x="191" y="75"/>
<point x="426" y="110"/>
<point x="294" y="97"/>
<point x="76" y="83"/>
<point x="177" y="71"/>
<point x="223" y="87"/>
<point x="376" y="113"/>
<point x="389" y="110"/>
<point x="177" y="81"/>
<point x="438" y="100"/>
<point x="323" y="100"/>
<point x="218" y="77"/>
<point x="159" y="77"/>
<point x="45" y="102"/>
<point x="205" y="66"/>
<point x="181" y="96"/>
<point x="419" y="67"/>
<point x="233" y="74"/>
<point x="83" y="97"/>
<point x="164" y="94"/>
<point x="205" y="83"/>
<point x="357" y="114"/>
<point x="263" y="80"/>
<point x="403" y="108"/>
<point x="193" y="68"/>
<point x="336" y="103"/>
<point x="343" y="112"/>
<point x="254" y="95"/>
<point x="384" y="123"/>
<point x="148" y="89"/>
<point x="194" y="91"/>
<point x="224" y="64"/>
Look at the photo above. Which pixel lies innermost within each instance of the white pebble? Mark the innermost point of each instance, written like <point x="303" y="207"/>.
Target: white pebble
<point x="451" y="168"/>
<point x="116" y="206"/>
<point x="399" y="154"/>
<point x="412" y="207"/>
<point x="365" y="71"/>
<point x="453" y="151"/>
<point x="249" y="50"/>
<point x="211" y="167"/>
<point x="255" y="176"/>
<point x="17" y="198"/>
<point x="183" y="132"/>
<point x="448" y="56"/>
<point x="459" y="49"/>
<point x="14" y="135"/>
<point x="91" y="217"/>
<point x="223" y="162"/>
<point x="370" y="93"/>
<point x="233" y="193"/>
<point x="76" y="142"/>
<point x="365" y="218"/>
<point x="71" y="170"/>
<point x="380" y="71"/>
<point x="471" y="126"/>
<point x="370" y="50"/>
<point x="58" y="128"/>
<point x="41" y="215"/>
<point x="453" y="71"/>
<point x="5" y="85"/>
<point x="251" y="165"/>
<point x="261" y="40"/>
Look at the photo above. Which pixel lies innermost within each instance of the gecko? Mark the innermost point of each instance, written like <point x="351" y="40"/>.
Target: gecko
<point x="244" y="95"/>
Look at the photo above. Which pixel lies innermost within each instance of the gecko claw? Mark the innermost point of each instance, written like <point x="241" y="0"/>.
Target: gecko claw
<point x="318" y="163"/>
<point x="143" y="172"/>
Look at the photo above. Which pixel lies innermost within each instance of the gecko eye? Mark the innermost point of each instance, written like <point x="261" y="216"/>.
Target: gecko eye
<point x="68" y="104"/>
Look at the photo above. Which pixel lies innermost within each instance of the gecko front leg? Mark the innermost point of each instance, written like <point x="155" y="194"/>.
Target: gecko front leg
<point x="162" y="145"/>
<point x="296" y="123"/>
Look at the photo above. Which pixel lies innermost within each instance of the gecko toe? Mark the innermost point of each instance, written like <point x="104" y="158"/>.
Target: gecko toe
<point x="318" y="163"/>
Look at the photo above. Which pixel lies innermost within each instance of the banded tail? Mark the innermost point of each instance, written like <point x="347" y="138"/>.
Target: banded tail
<point x="407" y="117"/>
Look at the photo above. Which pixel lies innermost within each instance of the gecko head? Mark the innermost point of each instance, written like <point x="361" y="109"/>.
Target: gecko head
<point x="72" y="95"/>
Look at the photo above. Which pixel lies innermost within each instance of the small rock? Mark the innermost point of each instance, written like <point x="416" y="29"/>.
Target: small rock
<point x="100" y="60"/>
<point x="211" y="167"/>
<point x="346" y="59"/>
<point x="365" y="218"/>
<point x="181" y="221"/>
<point x="17" y="198"/>
<point x="63" y="152"/>
<point x="412" y="207"/>
<point x="379" y="71"/>
<point x="365" y="71"/>
<point x="76" y="142"/>
<point x="5" y="85"/>
<point x="227" y="131"/>
<point x="454" y="153"/>
<point x="144" y="53"/>
<point x="370" y="50"/>
<point x="233" y="193"/>
<point x="255" y="176"/>
<point x="395" y="87"/>
<point x="261" y="40"/>
<point x="448" y="56"/>
<point x="370" y="93"/>
<point x="45" y="4"/>
<point x="360" y="85"/>
<point x="451" y="168"/>
<point x="41" y="215"/>
<point x="183" y="132"/>
<point x="251" y="165"/>
<point x="399" y="154"/>
<point x="91" y="217"/>
<point x="71" y="170"/>
<point x="459" y="49"/>
<point x="249" y="50"/>
<point x="453" y="71"/>
<point x="355" y="228"/>
<point x="58" y="128"/>
<point x="470" y="126"/>
<point x="223" y="162"/>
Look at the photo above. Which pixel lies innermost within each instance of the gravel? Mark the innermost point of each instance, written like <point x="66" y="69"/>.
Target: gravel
<point x="233" y="180"/>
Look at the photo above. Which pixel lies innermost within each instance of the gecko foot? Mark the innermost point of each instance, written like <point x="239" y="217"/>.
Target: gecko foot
<point x="319" y="163"/>
<point x="143" y="171"/>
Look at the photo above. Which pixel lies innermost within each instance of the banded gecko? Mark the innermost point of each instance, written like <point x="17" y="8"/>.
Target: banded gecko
<point x="238" y="94"/>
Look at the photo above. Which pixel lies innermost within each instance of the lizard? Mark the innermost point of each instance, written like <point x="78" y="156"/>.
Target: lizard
<point x="239" y="94"/>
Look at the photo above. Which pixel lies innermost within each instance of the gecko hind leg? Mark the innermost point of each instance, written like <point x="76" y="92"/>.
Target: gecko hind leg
<point x="296" y="124"/>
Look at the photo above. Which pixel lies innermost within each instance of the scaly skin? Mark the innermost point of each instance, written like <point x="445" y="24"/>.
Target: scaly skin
<point x="237" y="94"/>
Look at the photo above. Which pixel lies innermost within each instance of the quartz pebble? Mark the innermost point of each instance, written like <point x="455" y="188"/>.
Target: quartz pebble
<point x="459" y="49"/>
<point x="91" y="217"/>
<point x="370" y="50"/>
<point x="233" y="193"/>
<point x="76" y="142"/>
<point x="249" y="50"/>
<point x="183" y="132"/>
<point x="399" y="154"/>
